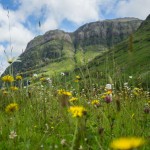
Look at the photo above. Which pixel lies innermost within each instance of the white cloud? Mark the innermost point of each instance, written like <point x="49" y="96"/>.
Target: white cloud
<point x="51" y="13"/>
<point x="1" y="50"/>
<point x="18" y="35"/>
<point x="55" y="11"/>
<point x="133" y="8"/>
<point x="3" y="63"/>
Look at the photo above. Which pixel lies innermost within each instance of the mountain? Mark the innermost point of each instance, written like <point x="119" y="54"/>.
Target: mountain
<point x="57" y="51"/>
<point x="131" y="57"/>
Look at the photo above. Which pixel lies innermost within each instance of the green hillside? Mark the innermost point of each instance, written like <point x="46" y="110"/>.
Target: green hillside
<point x="129" y="58"/>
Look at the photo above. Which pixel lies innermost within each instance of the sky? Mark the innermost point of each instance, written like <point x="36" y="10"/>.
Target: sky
<point x="19" y="19"/>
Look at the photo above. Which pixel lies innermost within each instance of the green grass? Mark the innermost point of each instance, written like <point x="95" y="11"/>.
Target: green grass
<point x="42" y="122"/>
<point x="58" y="67"/>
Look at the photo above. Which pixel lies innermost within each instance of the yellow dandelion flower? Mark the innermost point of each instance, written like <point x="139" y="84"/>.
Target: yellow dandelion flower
<point x="104" y="95"/>
<point x="95" y="102"/>
<point x="73" y="99"/>
<point x="78" y="77"/>
<point x="109" y="92"/>
<point x="18" y="77"/>
<point x="63" y="92"/>
<point x="60" y="92"/>
<point x="77" y="111"/>
<point x="11" y="108"/>
<point x="136" y="91"/>
<point x="8" y="78"/>
<point x="43" y="79"/>
<point x="14" y="88"/>
<point x="67" y="93"/>
<point x="125" y="143"/>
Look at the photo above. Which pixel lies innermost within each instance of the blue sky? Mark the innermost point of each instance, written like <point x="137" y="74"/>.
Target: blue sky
<point x="68" y="15"/>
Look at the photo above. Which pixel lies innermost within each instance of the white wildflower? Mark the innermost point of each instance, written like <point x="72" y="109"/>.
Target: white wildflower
<point x="63" y="142"/>
<point x="62" y="73"/>
<point x="35" y="75"/>
<point x="81" y="147"/>
<point x="12" y="135"/>
<point x="108" y="87"/>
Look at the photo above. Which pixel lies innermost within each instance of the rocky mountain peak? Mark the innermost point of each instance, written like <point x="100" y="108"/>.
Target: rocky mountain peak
<point x="49" y="36"/>
<point x="107" y="32"/>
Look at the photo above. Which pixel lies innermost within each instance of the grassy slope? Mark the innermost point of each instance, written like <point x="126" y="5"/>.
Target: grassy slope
<point x="72" y="60"/>
<point x="121" y="61"/>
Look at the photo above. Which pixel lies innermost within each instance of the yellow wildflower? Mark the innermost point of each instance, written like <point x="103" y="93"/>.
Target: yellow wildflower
<point x="8" y="78"/>
<point x="95" y="102"/>
<point x="14" y="88"/>
<point x="60" y="92"/>
<point x="78" y="77"/>
<point x="43" y="79"/>
<point x="77" y="111"/>
<point x="63" y="92"/>
<point x="104" y="95"/>
<point x="109" y="92"/>
<point x="125" y="143"/>
<point x="67" y="93"/>
<point x="11" y="108"/>
<point x="18" y="77"/>
<point x="136" y="91"/>
<point x="73" y="99"/>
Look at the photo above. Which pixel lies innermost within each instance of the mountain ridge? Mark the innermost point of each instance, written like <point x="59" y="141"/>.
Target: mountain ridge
<point x="78" y="47"/>
<point x="59" y="30"/>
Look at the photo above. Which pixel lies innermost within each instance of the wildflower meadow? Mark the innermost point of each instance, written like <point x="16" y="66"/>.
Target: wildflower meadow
<point x="75" y="93"/>
<point x="59" y="113"/>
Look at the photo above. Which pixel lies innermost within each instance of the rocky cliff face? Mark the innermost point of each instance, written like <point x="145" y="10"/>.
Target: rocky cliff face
<point x="57" y="45"/>
<point x="107" y="33"/>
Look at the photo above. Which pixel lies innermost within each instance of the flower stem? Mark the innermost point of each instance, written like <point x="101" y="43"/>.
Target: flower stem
<point x="73" y="147"/>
